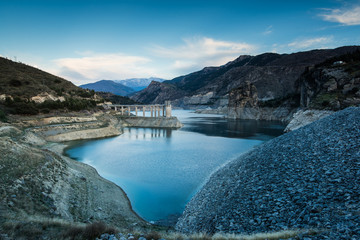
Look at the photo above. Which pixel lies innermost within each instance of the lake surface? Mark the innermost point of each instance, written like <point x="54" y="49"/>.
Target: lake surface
<point x="161" y="169"/>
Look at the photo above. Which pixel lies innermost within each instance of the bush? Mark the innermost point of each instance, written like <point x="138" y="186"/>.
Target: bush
<point x="91" y="231"/>
<point x="94" y="230"/>
<point x="2" y="116"/>
<point x="15" y="83"/>
<point x="153" y="235"/>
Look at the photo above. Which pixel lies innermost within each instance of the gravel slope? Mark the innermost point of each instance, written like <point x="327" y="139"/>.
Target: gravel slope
<point x="308" y="178"/>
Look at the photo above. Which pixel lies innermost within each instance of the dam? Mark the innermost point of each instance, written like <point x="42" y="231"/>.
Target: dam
<point x="156" y="110"/>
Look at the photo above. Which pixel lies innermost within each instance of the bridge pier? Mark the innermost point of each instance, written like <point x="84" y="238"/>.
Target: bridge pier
<point x="156" y="110"/>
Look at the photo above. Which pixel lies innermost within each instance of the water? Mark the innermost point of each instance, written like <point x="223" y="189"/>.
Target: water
<point x="161" y="169"/>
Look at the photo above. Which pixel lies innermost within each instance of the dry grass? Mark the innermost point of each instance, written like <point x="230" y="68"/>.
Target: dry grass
<point x="285" y="234"/>
<point x="34" y="227"/>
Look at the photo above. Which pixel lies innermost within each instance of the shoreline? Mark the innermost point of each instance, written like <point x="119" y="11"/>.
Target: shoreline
<point x="79" y="193"/>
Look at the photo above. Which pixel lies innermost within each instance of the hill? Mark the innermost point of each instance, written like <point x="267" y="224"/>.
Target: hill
<point x="28" y="90"/>
<point x="273" y="75"/>
<point x="305" y="179"/>
<point x="109" y="86"/>
<point x="116" y="99"/>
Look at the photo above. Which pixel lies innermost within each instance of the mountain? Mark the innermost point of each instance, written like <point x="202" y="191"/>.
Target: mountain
<point x="109" y="86"/>
<point x="28" y="90"/>
<point x="138" y="83"/>
<point x="273" y="75"/>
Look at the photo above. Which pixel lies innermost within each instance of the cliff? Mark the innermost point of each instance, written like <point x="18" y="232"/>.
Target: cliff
<point x="305" y="179"/>
<point x="332" y="85"/>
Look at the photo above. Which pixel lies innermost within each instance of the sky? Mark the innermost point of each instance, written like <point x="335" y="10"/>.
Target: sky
<point x="88" y="40"/>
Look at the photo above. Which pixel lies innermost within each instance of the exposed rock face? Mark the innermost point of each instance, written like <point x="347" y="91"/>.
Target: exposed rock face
<point x="38" y="182"/>
<point x="244" y="104"/>
<point x="46" y="97"/>
<point x="245" y="96"/>
<point x="170" y="122"/>
<point x="331" y="87"/>
<point x="307" y="178"/>
<point x="273" y="75"/>
<point x="304" y="117"/>
<point x="70" y="128"/>
<point x="158" y="92"/>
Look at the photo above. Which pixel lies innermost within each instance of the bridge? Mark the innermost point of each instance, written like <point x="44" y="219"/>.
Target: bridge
<point x="156" y="110"/>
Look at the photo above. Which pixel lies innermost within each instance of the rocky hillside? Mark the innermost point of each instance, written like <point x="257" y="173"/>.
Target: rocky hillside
<point x="109" y="86"/>
<point x="273" y="75"/>
<point x="23" y="81"/>
<point x="28" y="90"/>
<point x="304" y="179"/>
<point x="158" y="92"/>
<point x="332" y="85"/>
<point x="42" y="192"/>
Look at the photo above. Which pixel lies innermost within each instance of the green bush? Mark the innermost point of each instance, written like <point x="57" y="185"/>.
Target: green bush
<point x="2" y="116"/>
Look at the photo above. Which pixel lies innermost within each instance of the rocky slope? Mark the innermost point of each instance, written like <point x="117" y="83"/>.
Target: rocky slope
<point x="28" y="90"/>
<point x="38" y="184"/>
<point x="304" y="179"/>
<point x="332" y="85"/>
<point x="273" y="75"/>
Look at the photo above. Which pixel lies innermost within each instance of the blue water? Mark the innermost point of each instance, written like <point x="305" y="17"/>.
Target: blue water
<point x="161" y="169"/>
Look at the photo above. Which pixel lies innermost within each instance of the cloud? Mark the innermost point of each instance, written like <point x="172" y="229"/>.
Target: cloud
<point x="347" y="17"/>
<point x="97" y="66"/>
<point x="200" y="52"/>
<point x="268" y="30"/>
<point x="166" y="62"/>
<point x="304" y="44"/>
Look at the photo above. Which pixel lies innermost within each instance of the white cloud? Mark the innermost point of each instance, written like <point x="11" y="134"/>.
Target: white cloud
<point x="165" y="62"/>
<point x="344" y="16"/>
<point x="200" y="52"/>
<point x="304" y="44"/>
<point x="96" y="66"/>
<point x="268" y="30"/>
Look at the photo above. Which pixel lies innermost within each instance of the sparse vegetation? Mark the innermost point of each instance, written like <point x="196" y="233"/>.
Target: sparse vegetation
<point x="116" y="99"/>
<point x="90" y="231"/>
<point x="292" y="100"/>
<point x="3" y="117"/>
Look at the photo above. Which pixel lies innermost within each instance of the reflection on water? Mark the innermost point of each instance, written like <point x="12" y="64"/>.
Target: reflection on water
<point x="161" y="169"/>
<point x="152" y="133"/>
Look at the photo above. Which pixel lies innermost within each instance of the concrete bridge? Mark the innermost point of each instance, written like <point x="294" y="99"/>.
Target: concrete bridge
<point x="156" y="110"/>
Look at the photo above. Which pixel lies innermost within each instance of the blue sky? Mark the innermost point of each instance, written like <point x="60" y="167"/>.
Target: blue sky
<point x="85" y="41"/>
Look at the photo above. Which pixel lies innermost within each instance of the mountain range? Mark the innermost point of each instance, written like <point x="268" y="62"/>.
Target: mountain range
<point x="121" y="87"/>
<point x="273" y="77"/>
<point x="138" y="83"/>
<point x="109" y="86"/>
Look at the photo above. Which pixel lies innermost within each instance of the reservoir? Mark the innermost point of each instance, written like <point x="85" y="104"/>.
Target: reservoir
<point x="161" y="169"/>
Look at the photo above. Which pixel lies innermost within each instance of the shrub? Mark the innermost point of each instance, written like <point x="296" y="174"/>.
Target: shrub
<point x="2" y="116"/>
<point x="15" y="83"/>
<point x="153" y="235"/>
<point x="94" y="230"/>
